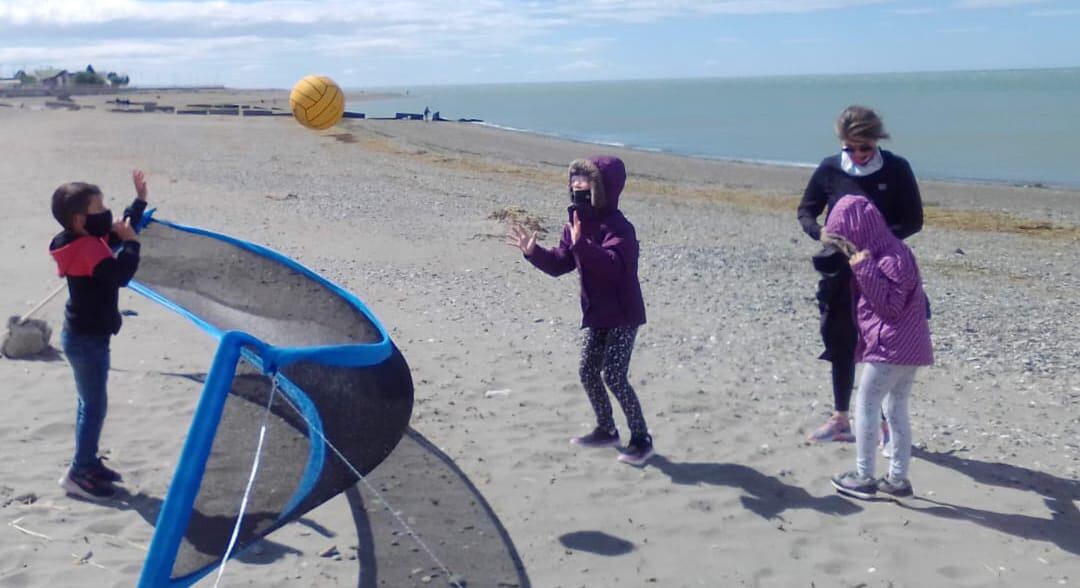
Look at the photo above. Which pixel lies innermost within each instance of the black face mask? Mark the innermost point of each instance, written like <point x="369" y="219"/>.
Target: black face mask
<point x="581" y="202"/>
<point x="99" y="224"/>
<point x="581" y="197"/>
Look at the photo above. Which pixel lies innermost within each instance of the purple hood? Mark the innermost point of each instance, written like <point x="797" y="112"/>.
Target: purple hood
<point x="856" y="219"/>
<point x="890" y="304"/>
<point x="608" y="175"/>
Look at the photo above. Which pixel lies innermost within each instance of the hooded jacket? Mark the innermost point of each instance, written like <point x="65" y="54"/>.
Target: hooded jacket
<point x="890" y="305"/>
<point x="606" y="255"/>
<point x="95" y="275"/>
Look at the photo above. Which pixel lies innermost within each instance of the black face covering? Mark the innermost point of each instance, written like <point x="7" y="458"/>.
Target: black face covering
<point x="99" y="224"/>
<point x="581" y="202"/>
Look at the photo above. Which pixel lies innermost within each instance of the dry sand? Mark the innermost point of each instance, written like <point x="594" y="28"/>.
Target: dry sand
<point x="407" y="215"/>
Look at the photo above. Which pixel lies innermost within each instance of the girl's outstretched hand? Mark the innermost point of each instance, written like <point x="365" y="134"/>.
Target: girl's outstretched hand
<point x="522" y="239"/>
<point x="575" y="229"/>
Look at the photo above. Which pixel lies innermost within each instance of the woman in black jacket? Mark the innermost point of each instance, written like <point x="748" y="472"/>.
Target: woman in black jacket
<point x="887" y="180"/>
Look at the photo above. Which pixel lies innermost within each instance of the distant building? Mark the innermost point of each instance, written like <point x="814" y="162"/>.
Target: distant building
<point x="63" y="79"/>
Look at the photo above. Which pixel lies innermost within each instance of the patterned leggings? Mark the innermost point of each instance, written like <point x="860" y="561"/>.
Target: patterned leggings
<point x="605" y="359"/>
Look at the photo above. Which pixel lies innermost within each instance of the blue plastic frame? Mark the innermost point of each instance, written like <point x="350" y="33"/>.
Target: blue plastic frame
<point x="232" y="346"/>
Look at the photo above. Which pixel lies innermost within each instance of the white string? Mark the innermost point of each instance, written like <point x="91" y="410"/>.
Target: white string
<point x="250" y="483"/>
<point x="378" y="495"/>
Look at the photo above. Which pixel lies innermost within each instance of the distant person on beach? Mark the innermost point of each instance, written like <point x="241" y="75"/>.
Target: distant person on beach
<point x="894" y="340"/>
<point x="886" y="179"/>
<point x="84" y="255"/>
<point x="427" y="113"/>
<point x="602" y="245"/>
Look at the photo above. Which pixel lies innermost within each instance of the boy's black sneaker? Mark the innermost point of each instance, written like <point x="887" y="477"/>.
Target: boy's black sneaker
<point x="598" y="438"/>
<point x="84" y="486"/>
<point x="102" y="472"/>
<point x="637" y="451"/>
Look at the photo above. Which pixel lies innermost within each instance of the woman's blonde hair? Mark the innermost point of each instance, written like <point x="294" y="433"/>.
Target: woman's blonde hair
<point x="860" y="122"/>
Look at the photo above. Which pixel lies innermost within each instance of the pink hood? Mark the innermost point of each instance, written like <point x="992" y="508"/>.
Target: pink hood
<point x="890" y="304"/>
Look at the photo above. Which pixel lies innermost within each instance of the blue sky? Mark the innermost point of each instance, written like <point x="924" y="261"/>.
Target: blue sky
<point x="250" y="43"/>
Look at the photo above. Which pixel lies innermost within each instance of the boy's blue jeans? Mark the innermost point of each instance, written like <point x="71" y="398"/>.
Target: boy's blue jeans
<point x="89" y="359"/>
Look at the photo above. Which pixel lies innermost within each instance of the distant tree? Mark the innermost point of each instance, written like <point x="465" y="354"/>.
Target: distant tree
<point x="117" y="80"/>
<point x="89" y="79"/>
<point x="25" y="78"/>
<point x="90" y="69"/>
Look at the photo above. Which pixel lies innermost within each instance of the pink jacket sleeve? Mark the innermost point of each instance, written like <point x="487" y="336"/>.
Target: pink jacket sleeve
<point x="885" y="284"/>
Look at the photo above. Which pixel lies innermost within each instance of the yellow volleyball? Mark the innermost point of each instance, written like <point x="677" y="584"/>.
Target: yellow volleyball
<point x="317" y="102"/>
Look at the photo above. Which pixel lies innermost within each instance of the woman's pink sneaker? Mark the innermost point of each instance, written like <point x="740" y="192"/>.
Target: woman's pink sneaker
<point x="835" y="429"/>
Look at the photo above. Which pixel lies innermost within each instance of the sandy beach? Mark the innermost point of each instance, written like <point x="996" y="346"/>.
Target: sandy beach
<point x="410" y="216"/>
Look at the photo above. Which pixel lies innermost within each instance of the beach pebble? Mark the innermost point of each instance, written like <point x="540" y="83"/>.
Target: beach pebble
<point x="496" y="393"/>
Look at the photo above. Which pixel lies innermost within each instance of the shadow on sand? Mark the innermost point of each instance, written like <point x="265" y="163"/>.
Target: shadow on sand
<point x="768" y="496"/>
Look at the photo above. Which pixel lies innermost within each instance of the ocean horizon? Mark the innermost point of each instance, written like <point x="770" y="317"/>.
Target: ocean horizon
<point x="1000" y="126"/>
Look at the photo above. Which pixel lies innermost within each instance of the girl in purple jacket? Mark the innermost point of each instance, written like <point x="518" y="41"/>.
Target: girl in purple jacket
<point x="601" y="244"/>
<point x="894" y="340"/>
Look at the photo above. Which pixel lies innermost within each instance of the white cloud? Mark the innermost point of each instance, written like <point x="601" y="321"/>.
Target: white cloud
<point x="574" y="46"/>
<point x="582" y="65"/>
<point x="408" y="28"/>
<point x="961" y="30"/>
<point x="142" y="51"/>
<point x="995" y="3"/>
<point x="1057" y="12"/>
<point x="915" y="11"/>
<point x="215" y="13"/>
<point x="376" y="13"/>
<point x="782" y="6"/>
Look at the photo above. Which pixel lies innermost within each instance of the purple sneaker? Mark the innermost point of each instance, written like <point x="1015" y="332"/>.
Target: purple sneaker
<point x="837" y="428"/>
<point x="598" y="438"/>
<point x="637" y="451"/>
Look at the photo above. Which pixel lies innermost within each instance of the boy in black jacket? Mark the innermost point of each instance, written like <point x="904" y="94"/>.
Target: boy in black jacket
<point x="84" y="254"/>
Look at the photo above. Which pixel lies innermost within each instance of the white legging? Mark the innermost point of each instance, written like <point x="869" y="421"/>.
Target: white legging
<point x="885" y="387"/>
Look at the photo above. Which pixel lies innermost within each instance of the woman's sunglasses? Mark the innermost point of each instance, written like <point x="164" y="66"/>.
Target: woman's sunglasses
<point x="858" y="148"/>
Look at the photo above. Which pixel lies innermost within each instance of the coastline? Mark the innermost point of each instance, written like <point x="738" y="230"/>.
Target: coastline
<point x="1036" y="184"/>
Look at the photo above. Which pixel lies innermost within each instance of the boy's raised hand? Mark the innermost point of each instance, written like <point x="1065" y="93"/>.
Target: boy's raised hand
<point x="522" y="239"/>
<point x="123" y="230"/>
<point x="139" y="179"/>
